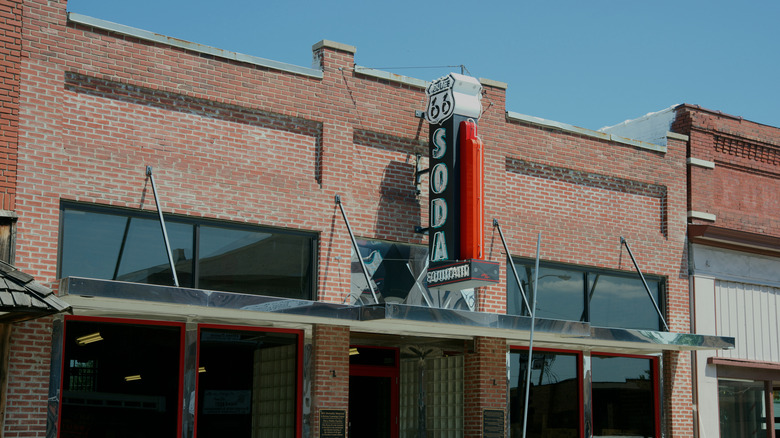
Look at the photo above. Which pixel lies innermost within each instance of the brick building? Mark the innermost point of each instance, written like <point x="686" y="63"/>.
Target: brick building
<point x="734" y="246"/>
<point x="283" y="290"/>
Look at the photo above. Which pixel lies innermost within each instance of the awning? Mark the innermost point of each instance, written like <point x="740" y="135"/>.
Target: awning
<point x="22" y="298"/>
<point x="107" y="298"/>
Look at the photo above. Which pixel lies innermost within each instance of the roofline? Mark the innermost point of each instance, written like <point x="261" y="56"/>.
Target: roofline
<point x="187" y="45"/>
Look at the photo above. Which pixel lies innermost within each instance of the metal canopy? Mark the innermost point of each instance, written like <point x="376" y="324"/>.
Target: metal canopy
<point x="115" y="298"/>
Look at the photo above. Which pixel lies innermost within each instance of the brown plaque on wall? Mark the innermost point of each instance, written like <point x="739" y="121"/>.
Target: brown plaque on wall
<point x="493" y="423"/>
<point x="333" y="423"/>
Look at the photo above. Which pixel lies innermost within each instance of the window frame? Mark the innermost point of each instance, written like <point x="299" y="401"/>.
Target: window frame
<point x="299" y="351"/>
<point x="587" y="273"/>
<point x="196" y="223"/>
<point x="656" y="385"/>
<point x="127" y="321"/>
<point x="580" y="364"/>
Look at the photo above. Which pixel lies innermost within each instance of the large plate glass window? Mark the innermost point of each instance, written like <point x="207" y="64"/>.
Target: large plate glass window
<point x="127" y="245"/>
<point x="248" y="383"/>
<point x="625" y="396"/>
<point x="555" y="401"/>
<point x="603" y="298"/>
<point x="121" y="377"/>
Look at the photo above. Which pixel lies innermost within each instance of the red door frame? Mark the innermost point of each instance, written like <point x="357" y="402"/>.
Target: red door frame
<point x="393" y="372"/>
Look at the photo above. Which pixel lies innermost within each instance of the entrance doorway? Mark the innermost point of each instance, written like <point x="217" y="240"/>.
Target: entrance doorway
<point x="373" y="392"/>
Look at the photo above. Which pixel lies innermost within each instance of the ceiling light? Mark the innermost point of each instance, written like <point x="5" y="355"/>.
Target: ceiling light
<point x="131" y="378"/>
<point x="88" y="339"/>
<point x="353" y="351"/>
<point x="201" y="369"/>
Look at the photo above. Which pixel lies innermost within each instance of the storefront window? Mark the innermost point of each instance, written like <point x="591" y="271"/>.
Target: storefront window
<point x="742" y="406"/>
<point x="624" y="396"/>
<point x="603" y="298"/>
<point x="125" y="245"/>
<point x="554" y="402"/>
<point x="248" y="383"/>
<point x="121" y="377"/>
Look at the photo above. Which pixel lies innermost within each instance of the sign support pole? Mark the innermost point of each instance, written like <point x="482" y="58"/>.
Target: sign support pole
<point x="512" y="265"/>
<point x="647" y="288"/>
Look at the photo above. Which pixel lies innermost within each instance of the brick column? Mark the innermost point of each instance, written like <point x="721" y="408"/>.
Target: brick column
<point x="331" y="371"/>
<point x="485" y="383"/>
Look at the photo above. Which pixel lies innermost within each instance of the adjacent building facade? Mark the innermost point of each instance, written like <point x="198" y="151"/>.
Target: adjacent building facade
<point x="241" y="249"/>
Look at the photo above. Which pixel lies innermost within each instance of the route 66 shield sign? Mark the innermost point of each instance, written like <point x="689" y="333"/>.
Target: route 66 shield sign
<point x="441" y="103"/>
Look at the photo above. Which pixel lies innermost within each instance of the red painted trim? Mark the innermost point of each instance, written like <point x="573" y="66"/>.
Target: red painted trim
<point x="654" y="360"/>
<point x="394" y="372"/>
<point x="298" y="371"/>
<point x="472" y="242"/>
<point x="182" y="332"/>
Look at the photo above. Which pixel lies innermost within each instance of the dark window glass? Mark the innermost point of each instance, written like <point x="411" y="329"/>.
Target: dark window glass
<point x="397" y="274"/>
<point x="623" y="302"/>
<point x="623" y="394"/>
<point x="257" y="262"/>
<point x="122" y="245"/>
<point x="741" y="406"/>
<point x="561" y="294"/>
<point x="120" y="377"/>
<point x="605" y="299"/>
<point x="554" y="397"/>
<point x="247" y="383"/>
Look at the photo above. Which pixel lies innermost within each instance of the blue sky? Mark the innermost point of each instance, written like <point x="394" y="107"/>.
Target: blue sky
<point x="589" y="63"/>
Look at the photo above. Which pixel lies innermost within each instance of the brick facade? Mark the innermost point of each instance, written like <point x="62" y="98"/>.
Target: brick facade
<point x="247" y="143"/>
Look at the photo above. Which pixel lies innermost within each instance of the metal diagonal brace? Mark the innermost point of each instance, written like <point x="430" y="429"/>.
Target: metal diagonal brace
<point x="512" y="265"/>
<point x="647" y="288"/>
<point x="162" y="225"/>
<point x="357" y="249"/>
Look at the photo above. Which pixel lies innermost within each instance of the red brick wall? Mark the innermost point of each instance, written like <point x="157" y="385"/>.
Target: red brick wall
<point x="484" y="383"/>
<point x="743" y="190"/>
<point x="28" y="386"/>
<point x="331" y="371"/>
<point x="10" y="59"/>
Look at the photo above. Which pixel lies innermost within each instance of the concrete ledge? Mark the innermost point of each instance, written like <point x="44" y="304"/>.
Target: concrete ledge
<point x="701" y="163"/>
<point x="195" y="47"/>
<point x="492" y="83"/>
<point x="512" y="116"/>
<point x="334" y="45"/>
<point x="676" y="136"/>
<point x="701" y="215"/>
<point x="406" y="80"/>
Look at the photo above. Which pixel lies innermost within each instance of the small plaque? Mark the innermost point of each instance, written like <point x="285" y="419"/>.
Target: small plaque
<point x="493" y="423"/>
<point x="333" y="423"/>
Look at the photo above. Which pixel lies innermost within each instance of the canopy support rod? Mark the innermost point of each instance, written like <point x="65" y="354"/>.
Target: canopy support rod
<point x="531" y="340"/>
<point x="647" y="288"/>
<point x="511" y="264"/>
<point x="162" y="225"/>
<point x="357" y="249"/>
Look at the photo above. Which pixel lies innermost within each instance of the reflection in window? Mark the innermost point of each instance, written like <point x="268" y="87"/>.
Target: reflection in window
<point x="397" y="274"/>
<point x="605" y="299"/>
<point x="623" y="391"/>
<point x="247" y="383"/>
<point x="554" y="397"/>
<point x="127" y="245"/>
<point x="120" y="377"/>
<point x="742" y="410"/>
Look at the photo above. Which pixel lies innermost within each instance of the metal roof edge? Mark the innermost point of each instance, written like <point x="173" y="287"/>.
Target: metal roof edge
<point x="564" y="127"/>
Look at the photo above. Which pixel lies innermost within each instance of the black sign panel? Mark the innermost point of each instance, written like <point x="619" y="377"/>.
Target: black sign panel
<point x="444" y="190"/>
<point x="333" y="423"/>
<point x="493" y="423"/>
